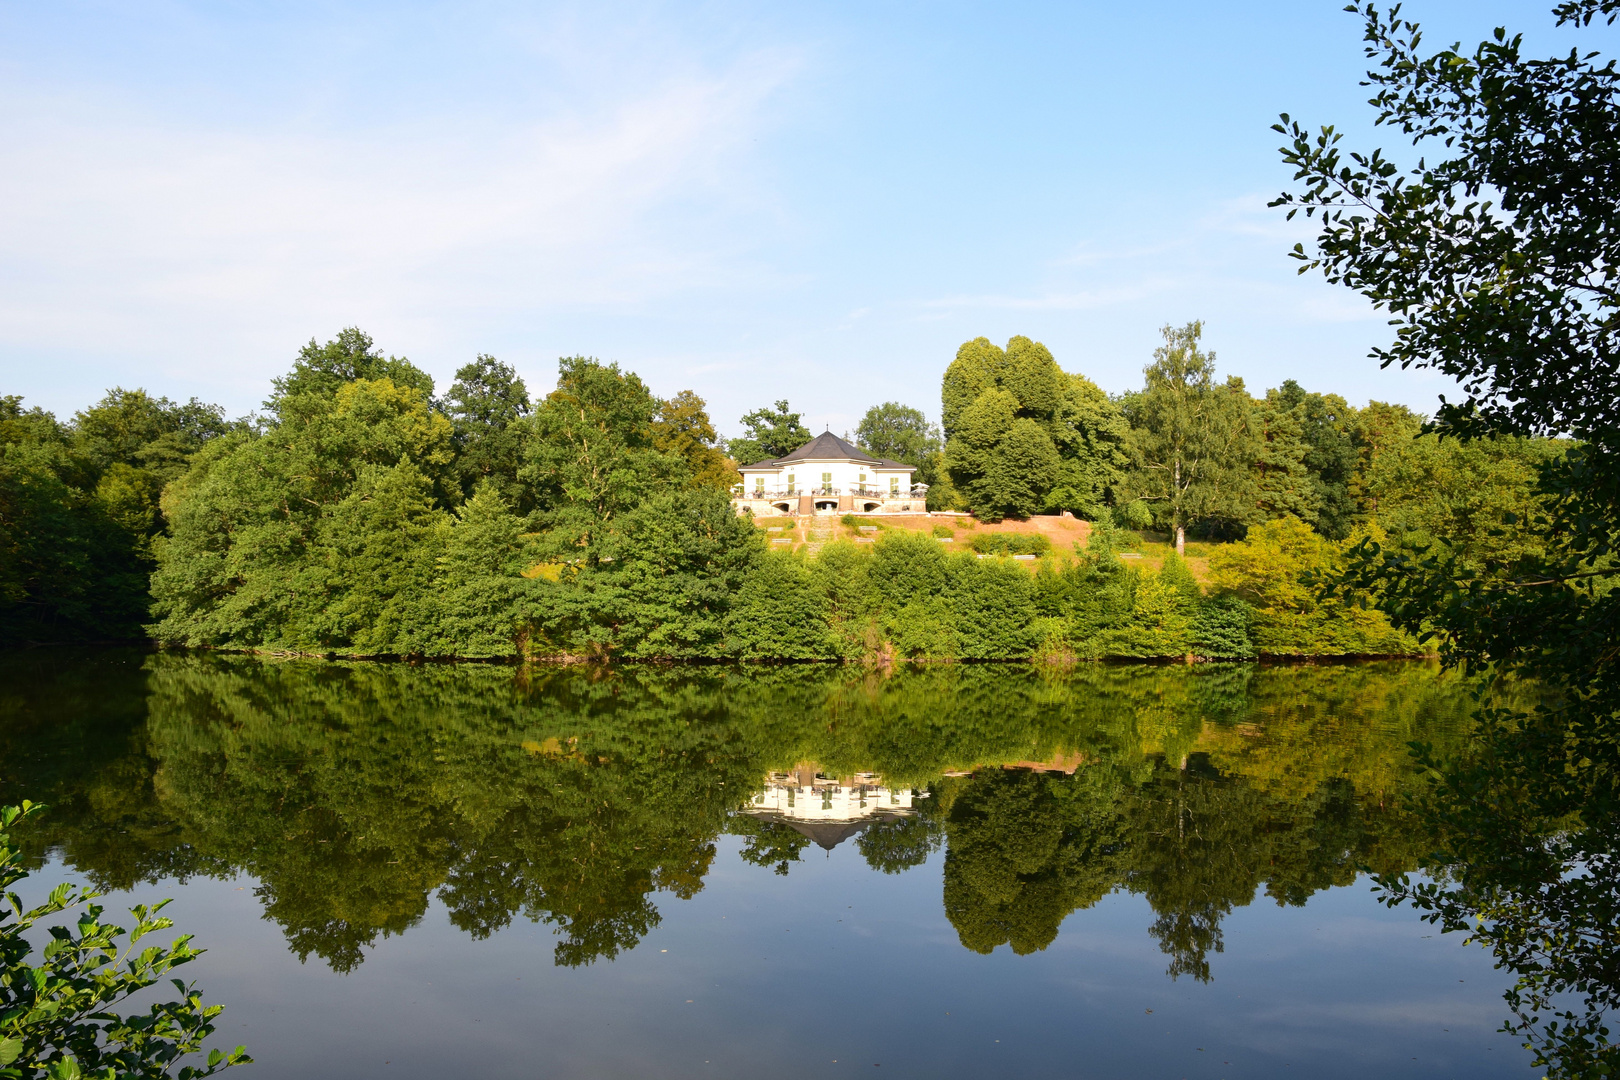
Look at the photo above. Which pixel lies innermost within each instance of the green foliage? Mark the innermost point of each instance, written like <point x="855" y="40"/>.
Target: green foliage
<point x="1475" y="498"/>
<point x="365" y="518"/>
<point x="1011" y="544"/>
<point x="320" y="370"/>
<point x="1133" y="514"/>
<point x="316" y="535"/>
<point x="1001" y="464"/>
<point x="1178" y="577"/>
<point x="943" y="532"/>
<point x="683" y="430"/>
<point x="1022" y="436"/>
<point x="780" y="613"/>
<point x="1515" y="179"/>
<point x="1093" y="441"/>
<point x="992" y="607"/>
<point x="487" y="405"/>
<point x="68" y="571"/>
<point x="595" y="451"/>
<point x="771" y="433"/>
<point x="80" y="507"/>
<point x="942" y="494"/>
<point x="1192" y="439"/>
<point x="1088" y="598"/>
<point x="56" y="1014"/>
<point x="479" y="604"/>
<point x="1327" y="426"/>
<point x="900" y="433"/>
<point x="1223" y="627"/>
<point x="1275" y="570"/>
<point x="909" y="597"/>
<point x="1283" y="482"/>
<point x="1159" y="622"/>
<point x="664" y="584"/>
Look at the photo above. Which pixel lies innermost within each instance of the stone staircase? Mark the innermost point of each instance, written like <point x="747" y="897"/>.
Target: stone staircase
<point x="818" y="529"/>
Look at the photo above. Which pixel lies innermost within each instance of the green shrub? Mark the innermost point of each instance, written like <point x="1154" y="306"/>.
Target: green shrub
<point x="944" y="531"/>
<point x="1133" y="515"/>
<point x="1223" y="627"/>
<point x="780" y="613"/>
<point x="1160" y="619"/>
<point x="56" y="1017"/>
<point x="1175" y="573"/>
<point x="851" y="520"/>
<point x="906" y="565"/>
<point x="1011" y="544"/>
<point x="1273" y="571"/>
<point x="993" y="609"/>
<point x="841" y="571"/>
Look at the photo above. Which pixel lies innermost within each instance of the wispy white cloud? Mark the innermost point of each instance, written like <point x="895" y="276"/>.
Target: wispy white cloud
<point x="1199" y="259"/>
<point x="116" y="226"/>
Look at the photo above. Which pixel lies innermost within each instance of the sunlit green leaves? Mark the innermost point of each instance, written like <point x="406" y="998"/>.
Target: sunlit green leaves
<point x="56" y="1015"/>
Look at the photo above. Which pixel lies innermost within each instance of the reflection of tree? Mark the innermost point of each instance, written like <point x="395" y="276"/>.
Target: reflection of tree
<point x="1025" y="849"/>
<point x="896" y="844"/>
<point x="1198" y="852"/>
<point x="357" y="793"/>
<point x="353" y="794"/>
<point x="71" y="737"/>
<point x="769" y="843"/>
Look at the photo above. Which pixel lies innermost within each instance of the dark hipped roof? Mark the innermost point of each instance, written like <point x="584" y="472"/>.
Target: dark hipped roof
<point x="828" y="834"/>
<point x="824" y="446"/>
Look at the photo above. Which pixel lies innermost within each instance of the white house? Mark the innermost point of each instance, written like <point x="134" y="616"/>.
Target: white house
<point x="828" y="475"/>
<point x="829" y="809"/>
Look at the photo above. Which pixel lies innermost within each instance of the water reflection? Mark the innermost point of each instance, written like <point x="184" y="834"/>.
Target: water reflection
<point x="583" y="799"/>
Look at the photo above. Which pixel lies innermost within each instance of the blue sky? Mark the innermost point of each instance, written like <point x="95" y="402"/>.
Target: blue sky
<point x="815" y="201"/>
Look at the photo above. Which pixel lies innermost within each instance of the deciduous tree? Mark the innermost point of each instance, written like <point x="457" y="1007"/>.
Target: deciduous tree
<point x="1191" y="438"/>
<point x="1496" y="255"/>
<point x="771" y="433"/>
<point x="900" y="433"/>
<point x="683" y="429"/>
<point x="487" y="405"/>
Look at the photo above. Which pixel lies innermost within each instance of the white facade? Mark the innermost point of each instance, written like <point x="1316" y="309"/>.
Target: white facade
<point x="828" y="475"/>
<point x="825" y="475"/>
<point x="812" y="798"/>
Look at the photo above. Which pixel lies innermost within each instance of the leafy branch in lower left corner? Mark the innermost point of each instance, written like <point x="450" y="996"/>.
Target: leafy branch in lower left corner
<point x="56" y="1018"/>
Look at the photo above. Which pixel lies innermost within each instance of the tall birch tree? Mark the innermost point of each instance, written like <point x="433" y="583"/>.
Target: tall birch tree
<point x="1191" y="437"/>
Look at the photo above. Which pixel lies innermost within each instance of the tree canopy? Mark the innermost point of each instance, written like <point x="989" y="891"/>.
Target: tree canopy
<point x="1022" y="436"/>
<point x="900" y="433"/>
<point x="1495" y="256"/>
<point x="771" y="433"/>
<point x="1192" y="439"/>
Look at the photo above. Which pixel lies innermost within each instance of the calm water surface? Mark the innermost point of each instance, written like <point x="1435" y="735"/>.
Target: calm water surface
<point x="787" y="872"/>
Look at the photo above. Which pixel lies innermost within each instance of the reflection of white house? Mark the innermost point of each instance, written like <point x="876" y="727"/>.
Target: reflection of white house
<point x="827" y="809"/>
<point x="828" y="475"/>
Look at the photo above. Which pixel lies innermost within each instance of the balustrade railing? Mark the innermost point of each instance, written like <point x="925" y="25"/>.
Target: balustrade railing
<point x="829" y="492"/>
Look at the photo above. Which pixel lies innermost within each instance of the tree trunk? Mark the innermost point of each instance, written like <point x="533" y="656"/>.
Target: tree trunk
<point x="1175" y="493"/>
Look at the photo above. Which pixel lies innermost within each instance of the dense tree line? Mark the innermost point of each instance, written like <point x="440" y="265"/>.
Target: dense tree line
<point x="81" y="507"/>
<point x="363" y="514"/>
<point x="356" y="793"/>
<point x="1190" y="454"/>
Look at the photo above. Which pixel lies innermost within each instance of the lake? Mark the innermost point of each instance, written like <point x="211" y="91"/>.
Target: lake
<point x="798" y="871"/>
